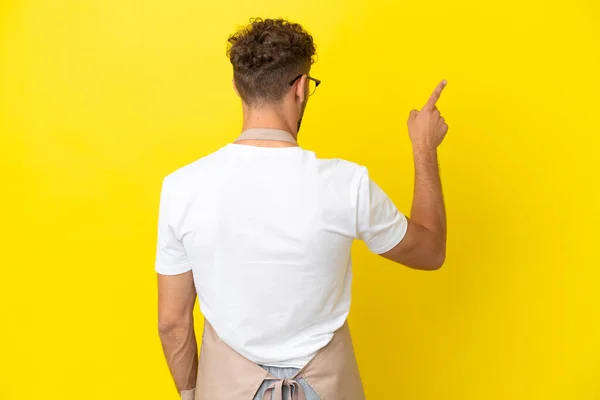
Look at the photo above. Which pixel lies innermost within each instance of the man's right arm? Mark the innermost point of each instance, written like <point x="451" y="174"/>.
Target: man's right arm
<point x="424" y="244"/>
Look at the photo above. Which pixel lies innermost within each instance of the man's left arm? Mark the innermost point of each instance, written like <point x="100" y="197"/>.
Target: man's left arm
<point x="176" y="299"/>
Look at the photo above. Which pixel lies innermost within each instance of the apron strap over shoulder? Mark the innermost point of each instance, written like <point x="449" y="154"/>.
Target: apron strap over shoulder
<point x="267" y="134"/>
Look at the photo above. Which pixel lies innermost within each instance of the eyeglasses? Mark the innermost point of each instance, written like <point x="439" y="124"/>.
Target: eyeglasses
<point x="313" y="83"/>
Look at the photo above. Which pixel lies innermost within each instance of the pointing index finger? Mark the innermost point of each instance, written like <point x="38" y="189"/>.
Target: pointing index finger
<point x="435" y="96"/>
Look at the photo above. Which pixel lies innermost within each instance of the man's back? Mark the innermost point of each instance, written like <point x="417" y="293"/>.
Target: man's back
<point x="261" y="232"/>
<point x="267" y="232"/>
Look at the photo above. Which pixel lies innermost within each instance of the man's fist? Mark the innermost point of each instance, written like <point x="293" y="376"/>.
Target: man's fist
<point x="427" y="128"/>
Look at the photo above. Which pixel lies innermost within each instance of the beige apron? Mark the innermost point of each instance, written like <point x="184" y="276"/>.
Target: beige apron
<point x="224" y="374"/>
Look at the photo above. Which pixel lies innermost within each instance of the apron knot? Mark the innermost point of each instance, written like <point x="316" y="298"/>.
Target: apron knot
<point x="276" y="389"/>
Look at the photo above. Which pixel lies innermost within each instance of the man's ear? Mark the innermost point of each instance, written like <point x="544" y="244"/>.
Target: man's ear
<point x="301" y="89"/>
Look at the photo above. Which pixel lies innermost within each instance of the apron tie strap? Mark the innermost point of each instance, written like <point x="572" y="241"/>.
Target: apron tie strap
<point x="275" y="390"/>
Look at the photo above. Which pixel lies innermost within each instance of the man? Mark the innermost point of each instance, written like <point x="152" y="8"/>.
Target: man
<point x="261" y="232"/>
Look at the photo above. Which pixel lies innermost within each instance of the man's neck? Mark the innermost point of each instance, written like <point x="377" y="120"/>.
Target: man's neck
<point x="267" y="119"/>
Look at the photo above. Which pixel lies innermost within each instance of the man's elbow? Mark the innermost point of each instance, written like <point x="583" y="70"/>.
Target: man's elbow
<point x="168" y="326"/>
<point x="433" y="262"/>
<point x="432" y="251"/>
<point x="437" y="263"/>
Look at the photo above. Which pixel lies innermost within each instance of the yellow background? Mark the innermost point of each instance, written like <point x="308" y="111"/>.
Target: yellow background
<point x="100" y="99"/>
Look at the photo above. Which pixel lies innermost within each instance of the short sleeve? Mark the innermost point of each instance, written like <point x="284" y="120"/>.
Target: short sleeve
<point x="171" y="257"/>
<point x="379" y="223"/>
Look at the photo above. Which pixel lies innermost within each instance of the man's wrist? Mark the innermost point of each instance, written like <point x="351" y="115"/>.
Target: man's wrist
<point x="189" y="394"/>
<point x="425" y="152"/>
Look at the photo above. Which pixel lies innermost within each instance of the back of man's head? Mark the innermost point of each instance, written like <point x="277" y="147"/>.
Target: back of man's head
<point x="266" y="55"/>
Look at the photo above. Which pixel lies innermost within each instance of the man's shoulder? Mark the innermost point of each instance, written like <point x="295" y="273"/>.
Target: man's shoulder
<point x="340" y="166"/>
<point x="191" y="171"/>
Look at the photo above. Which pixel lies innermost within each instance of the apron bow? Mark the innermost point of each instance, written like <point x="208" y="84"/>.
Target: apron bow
<point x="275" y="390"/>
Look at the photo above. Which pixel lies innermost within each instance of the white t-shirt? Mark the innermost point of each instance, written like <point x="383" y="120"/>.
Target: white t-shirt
<point x="267" y="233"/>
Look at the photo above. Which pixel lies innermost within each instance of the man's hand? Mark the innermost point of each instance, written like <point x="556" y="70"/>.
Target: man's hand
<point x="427" y="128"/>
<point x="188" y="394"/>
